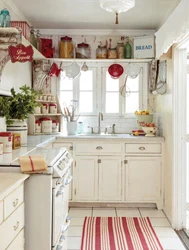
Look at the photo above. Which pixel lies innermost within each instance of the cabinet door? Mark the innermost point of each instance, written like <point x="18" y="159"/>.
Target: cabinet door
<point x="86" y="178"/>
<point x="110" y="172"/>
<point x="143" y="179"/>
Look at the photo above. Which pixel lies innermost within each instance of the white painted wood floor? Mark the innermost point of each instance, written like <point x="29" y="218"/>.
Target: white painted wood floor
<point x="167" y="236"/>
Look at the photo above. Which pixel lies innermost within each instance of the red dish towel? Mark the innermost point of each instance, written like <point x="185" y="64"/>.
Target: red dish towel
<point x="33" y="164"/>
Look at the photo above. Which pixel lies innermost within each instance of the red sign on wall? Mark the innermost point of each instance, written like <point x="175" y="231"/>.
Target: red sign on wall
<point x="21" y="53"/>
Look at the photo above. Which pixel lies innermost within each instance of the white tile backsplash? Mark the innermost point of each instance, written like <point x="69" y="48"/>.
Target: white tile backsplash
<point x="122" y="125"/>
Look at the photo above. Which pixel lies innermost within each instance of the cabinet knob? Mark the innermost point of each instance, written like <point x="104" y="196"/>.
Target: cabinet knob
<point x="141" y="148"/>
<point x="15" y="203"/>
<point x="16" y="226"/>
<point x="99" y="147"/>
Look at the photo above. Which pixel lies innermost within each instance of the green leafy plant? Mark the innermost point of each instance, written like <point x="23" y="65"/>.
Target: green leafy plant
<point x="19" y="105"/>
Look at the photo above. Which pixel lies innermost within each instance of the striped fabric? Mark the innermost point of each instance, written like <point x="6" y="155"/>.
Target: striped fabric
<point x="119" y="233"/>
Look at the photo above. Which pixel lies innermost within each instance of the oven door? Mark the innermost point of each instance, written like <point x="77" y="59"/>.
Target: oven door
<point x="58" y="215"/>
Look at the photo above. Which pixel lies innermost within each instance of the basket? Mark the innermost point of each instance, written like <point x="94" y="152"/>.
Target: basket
<point x="143" y="118"/>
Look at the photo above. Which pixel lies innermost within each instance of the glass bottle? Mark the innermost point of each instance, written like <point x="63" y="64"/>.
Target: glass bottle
<point x="5" y="18"/>
<point x="38" y="40"/>
<point x="128" y="49"/>
<point x="33" y="40"/>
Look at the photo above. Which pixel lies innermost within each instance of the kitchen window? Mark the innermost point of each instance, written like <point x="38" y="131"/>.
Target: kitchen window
<point x="97" y="92"/>
<point x="82" y="88"/>
<point x="120" y="100"/>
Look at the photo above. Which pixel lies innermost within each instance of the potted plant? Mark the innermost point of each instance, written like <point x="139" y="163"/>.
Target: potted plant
<point x="17" y="107"/>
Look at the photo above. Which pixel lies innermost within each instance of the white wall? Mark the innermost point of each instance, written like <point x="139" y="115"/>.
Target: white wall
<point x="164" y="107"/>
<point x="15" y="13"/>
<point x="15" y="74"/>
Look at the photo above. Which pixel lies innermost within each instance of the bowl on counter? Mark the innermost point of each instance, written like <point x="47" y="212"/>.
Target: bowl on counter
<point x="149" y="131"/>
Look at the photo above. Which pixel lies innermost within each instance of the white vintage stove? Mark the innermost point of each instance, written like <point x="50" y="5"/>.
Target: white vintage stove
<point x="46" y="200"/>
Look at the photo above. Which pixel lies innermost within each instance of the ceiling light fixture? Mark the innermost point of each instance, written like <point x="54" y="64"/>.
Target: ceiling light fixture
<point x="117" y="6"/>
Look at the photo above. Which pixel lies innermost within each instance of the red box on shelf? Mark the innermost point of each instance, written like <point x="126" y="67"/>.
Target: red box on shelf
<point x="24" y="26"/>
<point x="46" y="47"/>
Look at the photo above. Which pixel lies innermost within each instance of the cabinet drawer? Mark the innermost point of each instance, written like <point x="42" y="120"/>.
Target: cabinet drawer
<point x="18" y="242"/>
<point x="98" y="148"/>
<point x="143" y="148"/>
<point x="11" y="227"/>
<point x="13" y="200"/>
<point x="1" y="212"/>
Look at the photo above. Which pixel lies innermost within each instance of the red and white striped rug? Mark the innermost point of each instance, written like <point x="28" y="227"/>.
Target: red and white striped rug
<point x="119" y="233"/>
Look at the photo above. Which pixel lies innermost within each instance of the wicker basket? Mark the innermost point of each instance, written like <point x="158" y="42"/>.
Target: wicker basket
<point x="143" y="118"/>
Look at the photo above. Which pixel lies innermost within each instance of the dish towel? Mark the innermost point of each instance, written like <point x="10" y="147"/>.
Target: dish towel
<point x="33" y="164"/>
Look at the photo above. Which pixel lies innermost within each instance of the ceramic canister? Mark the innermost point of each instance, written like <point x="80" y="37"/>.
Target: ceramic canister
<point x="55" y="126"/>
<point x="46" y="125"/>
<point x="1" y="148"/>
<point x="37" y="126"/>
<point x="45" y="108"/>
<point x="52" y="108"/>
<point x="6" y="139"/>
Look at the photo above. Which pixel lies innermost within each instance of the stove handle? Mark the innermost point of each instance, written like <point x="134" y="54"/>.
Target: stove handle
<point x="59" y="193"/>
<point x="69" y="180"/>
<point x="68" y="220"/>
<point x="60" y="246"/>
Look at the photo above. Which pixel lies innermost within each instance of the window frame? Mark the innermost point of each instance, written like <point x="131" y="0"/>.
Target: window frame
<point x="99" y="89"/>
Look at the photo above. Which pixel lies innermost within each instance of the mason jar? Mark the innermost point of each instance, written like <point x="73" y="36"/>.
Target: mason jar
<point x="66" y="47"/>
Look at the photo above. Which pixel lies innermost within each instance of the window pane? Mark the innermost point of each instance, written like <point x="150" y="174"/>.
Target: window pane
<point x="86" y="102"/>
<point x="112" y="102"/>
<point x="66" y="84"/>
<point x="132" y="102"/>
<point x="133" y="84"/>
<point x="66" y="96"/>
<point x="86" y="80"/>
<point x="111" y="84"/>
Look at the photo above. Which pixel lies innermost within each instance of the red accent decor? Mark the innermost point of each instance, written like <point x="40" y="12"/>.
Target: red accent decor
<point x="119" y="233"/>
<point x="32" y="166"/>
<point x="115" y="71"/>
<point x="21" y="53"/>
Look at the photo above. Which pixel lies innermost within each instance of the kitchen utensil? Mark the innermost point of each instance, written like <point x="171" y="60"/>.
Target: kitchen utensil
<point x="84" y="67"/>
<point x="54" y="71"/>
<point x="115" y="71"/>
<point x="132" y="70"/>
<point x="73" y="70"/>
<point x="124" y="90"/>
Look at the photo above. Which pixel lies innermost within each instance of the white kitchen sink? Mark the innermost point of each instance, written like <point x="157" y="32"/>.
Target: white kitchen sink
<point x="98" y="135"/>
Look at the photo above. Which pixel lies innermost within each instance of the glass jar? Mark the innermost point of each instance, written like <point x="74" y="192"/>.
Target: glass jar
<point x="80" y="127"/>
<point x="128" y="49"/>
<point x="83" y="50"/>
<point x="120" y="50"/>
<point x="112" y="53"/>
<point x="101" y="52"/>
<point x="66" y="47"/>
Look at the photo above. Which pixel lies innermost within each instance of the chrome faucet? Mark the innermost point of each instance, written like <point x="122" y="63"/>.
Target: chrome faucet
<point x="100" y="118"/>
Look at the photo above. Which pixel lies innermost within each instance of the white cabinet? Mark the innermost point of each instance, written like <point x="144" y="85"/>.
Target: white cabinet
<point x="86" y="178"/>
<point x="12" y="211"/>
<point x="143" y="179"/>
<point x="110" y="183"/>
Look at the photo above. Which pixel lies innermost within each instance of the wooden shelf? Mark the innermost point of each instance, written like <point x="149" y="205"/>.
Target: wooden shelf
<point x="100" y="60"/>
<point x="46" y="101"/>
<point x="58" y="114"/>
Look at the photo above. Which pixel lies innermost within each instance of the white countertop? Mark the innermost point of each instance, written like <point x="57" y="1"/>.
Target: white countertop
<point x="10" y="181"/>
<point x="37" y="141"/>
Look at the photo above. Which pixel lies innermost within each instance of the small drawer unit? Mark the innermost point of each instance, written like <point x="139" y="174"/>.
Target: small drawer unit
<point x="13" y="200"/>
<point x="143" y="148"/>
<point x="98" y="148"/>
<point x="12" y="227"/>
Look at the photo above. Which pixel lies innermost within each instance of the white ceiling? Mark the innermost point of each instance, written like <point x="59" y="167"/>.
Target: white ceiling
<point x="87" y="14"/>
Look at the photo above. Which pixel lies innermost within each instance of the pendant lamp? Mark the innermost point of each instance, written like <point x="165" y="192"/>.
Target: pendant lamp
<point x="117" y="6"/>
